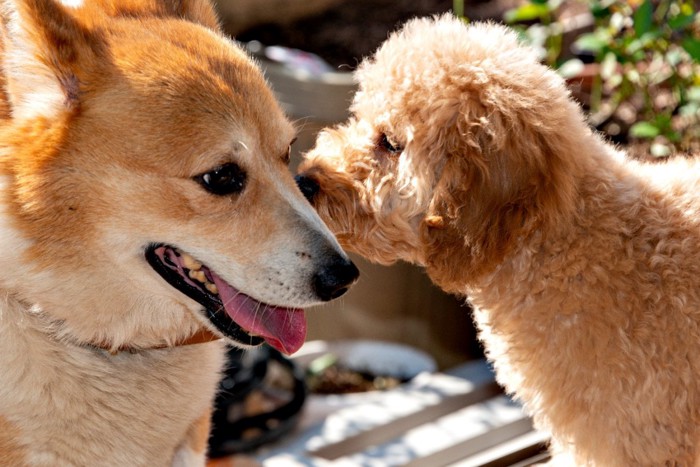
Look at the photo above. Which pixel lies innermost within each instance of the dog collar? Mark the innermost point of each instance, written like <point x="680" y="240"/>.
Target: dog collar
<point x="200" y="337"/>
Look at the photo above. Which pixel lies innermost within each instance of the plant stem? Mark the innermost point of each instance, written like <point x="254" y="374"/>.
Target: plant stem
<point x="458" y="8"/>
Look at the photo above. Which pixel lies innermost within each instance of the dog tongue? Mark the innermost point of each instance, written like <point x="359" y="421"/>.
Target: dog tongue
<point x="282" y="328"/>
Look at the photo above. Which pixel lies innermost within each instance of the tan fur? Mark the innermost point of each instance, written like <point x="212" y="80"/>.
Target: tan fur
<point x="110" y="111"/>
<point x="195" y="441"/>
<point x="198" y="434"/>
<point x="583" y="266"/>
<point x="11" y="452"/>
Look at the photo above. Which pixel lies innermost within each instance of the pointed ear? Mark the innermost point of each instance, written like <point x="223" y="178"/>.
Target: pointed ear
<point x="42" y="45"/>
<point x="197" y="11"/>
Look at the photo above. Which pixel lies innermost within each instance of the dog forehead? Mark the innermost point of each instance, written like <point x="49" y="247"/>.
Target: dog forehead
<point x="180" y="55"/>
<point x="177" y="74"/>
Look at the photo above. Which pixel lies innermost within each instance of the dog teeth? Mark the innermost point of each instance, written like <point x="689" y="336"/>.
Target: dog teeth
<point x="198" y="276"/>
<point x="190" y="263"/>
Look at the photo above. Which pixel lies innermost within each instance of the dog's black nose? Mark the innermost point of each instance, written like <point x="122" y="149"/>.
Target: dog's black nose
<point x="308" y="186"/>
<point x="335" y="279"/>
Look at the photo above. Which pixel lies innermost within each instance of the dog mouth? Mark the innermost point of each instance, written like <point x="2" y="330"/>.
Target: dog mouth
<point x="238" y="316"/>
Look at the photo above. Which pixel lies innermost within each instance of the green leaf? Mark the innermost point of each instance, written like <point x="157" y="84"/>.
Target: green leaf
<point x="643" y="18"/>
<point x="633" y="76"/>
<point x="321" y="363"/>
<point x="600" y="9"/>
<point x="591" y="42"/>
<point x="681" y="21"/>
<point x="691" y="109"/>
<point x="571" y="68"/>
<point x="526" y="12"/>
<point x="634" y="46"/>
<point x="674" y="56"/>
<point x="660" y="150"/>
<point x="609" y="66"/>
<point x="692" y="46"/>
<point x="673" y="136"/>
<point x="644" y="130"/>
<point x="663" y="121"/>
<point x="693" y="94"/>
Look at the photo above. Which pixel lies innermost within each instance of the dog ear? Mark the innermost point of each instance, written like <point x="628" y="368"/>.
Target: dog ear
<point x="464" y="231"/>
<point x="44" y="49"/>
<point x="504" y="177"/>
<point x="196" y="11"/>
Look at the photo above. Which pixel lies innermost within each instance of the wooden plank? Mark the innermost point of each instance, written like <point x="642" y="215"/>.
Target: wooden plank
<point x="396" y="428"/>
<point x="435" y="420"/>
<point x="462" y="426"/>
<point x="521" y="450"/>
<point x="472" y="446"/>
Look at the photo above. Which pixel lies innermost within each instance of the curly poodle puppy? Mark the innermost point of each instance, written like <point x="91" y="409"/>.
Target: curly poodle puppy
<point x="465" y="155"/>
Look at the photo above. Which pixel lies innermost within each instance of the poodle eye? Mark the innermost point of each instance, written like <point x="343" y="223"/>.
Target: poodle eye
<point x="224" y="180"/>
<point x="388" y="145"/>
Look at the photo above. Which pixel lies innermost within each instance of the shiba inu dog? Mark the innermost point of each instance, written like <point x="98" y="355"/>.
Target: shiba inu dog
<point x="146" y="212"/>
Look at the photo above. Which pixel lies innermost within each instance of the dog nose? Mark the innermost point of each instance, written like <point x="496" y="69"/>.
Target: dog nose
<point x="308" y="186"/>
<point x="335" y="279"/>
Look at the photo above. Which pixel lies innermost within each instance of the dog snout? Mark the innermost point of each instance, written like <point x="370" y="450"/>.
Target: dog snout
<point x="308" y="186"/>
<point x="335" y="278"/>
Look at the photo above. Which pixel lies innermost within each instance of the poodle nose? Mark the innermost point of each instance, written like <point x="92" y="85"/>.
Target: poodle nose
<point x="335" y="278"/>
<point x="308" y="186"/>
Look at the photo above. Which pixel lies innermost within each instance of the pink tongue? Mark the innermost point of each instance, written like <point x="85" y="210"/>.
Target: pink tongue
<point x="282" y="328"/>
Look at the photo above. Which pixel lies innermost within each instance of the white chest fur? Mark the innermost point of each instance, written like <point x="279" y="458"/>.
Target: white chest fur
<point x="83" y="406"/>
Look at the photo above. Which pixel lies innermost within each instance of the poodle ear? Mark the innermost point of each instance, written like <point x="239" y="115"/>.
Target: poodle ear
<point x="44" y="49"/>
<point x="502" y="180"/>
<point x="466" y="231"/>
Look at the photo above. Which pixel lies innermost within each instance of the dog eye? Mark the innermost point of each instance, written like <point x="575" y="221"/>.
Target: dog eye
<point x="386" y="144"/>
<point x="288" y="156"/>
<point x="225" y="180"/>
